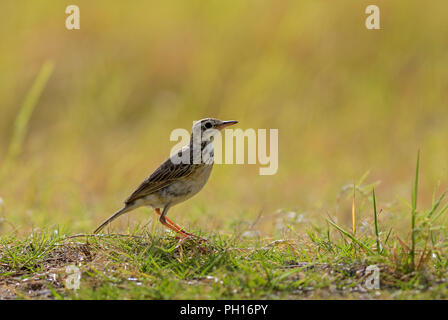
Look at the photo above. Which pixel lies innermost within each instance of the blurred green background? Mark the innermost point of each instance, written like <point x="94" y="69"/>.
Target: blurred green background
<point x="345" y="100"/>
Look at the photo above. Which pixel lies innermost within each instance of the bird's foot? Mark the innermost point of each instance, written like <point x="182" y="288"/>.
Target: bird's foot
<point x="194" y="239"/>
<point x="189" y="236"/>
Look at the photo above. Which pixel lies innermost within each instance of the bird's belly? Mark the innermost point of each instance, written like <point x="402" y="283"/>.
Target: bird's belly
<point x="180" y="190"/>
<point x="188" y="187"/>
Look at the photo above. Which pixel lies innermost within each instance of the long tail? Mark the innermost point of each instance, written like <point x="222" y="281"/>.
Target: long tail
<point x="113" y="217"/>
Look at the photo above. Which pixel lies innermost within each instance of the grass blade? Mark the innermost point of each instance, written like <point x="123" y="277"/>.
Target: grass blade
<point x="347" y="234"/>
<point x="435" y="206"/>
<point x="354" y="211"/>
<point x="24" y="115"/>
<point x="414" y="212"/>
<point x="378" y="244"/>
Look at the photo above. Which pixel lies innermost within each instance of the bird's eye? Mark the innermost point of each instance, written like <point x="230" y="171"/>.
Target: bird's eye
<point x="208" y="125"/>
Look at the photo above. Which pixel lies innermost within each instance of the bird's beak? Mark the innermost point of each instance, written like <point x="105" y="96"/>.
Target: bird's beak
<point x="224" y="124"/>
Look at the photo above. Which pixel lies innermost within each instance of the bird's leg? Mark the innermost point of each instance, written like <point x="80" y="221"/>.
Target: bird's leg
<point x="178" y="228"/>
<point x="170" y="224"/>
<point x="173" y="226"/>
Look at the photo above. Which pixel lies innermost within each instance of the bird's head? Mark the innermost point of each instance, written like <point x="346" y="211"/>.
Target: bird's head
<point x="211" y="123"/>
<point x="208" y="127"/>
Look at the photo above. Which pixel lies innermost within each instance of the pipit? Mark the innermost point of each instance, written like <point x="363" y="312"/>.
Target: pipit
<point x="179" y="178"/>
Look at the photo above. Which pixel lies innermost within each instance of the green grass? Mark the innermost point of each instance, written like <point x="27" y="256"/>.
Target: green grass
<point x="148" y="265"/>
<point x="414" y="213"/>
<point x="375" y="215"/>
<point x="155" y="267"/>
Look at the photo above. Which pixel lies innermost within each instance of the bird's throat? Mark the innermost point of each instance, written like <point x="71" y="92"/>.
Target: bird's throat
<point x="202" y="151"/>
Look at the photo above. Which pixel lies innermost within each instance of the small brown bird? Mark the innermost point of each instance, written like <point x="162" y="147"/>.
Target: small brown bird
<point x="179" y="178"/>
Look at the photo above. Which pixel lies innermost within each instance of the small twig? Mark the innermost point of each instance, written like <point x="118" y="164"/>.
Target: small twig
<point x="257" y="219"/>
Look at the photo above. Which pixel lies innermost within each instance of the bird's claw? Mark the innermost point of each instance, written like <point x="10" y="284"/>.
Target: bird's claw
<point x="190" y="236"/>
<point x="193" y="238"/>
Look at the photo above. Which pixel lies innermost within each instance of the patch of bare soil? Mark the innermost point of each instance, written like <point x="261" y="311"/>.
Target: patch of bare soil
<point x="21" y="284"/>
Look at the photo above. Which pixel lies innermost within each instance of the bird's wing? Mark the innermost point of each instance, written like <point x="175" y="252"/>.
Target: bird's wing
<point x="167" y="173"/>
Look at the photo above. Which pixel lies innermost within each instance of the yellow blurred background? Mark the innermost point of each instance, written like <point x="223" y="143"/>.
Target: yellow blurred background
<point x="345" y="100"/>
